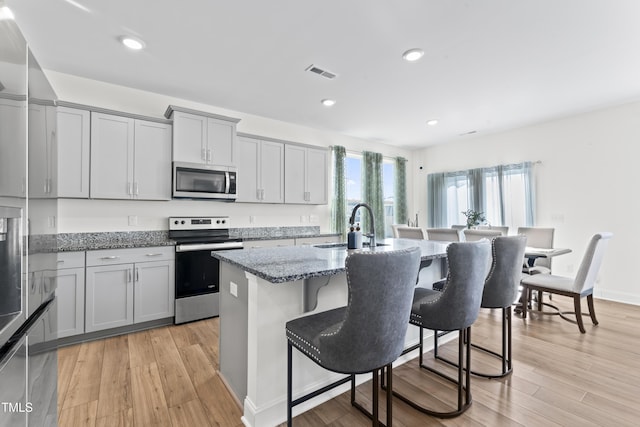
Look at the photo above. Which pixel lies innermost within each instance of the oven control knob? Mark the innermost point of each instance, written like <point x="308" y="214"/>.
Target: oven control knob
<point x="217" y="221"/>
<point x="182" y="222"/>
<point x="176" y="222"/>
<point x="224" y="221"/>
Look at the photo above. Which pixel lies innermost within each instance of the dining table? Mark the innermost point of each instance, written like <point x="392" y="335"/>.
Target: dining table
<point x="531" y="253"/>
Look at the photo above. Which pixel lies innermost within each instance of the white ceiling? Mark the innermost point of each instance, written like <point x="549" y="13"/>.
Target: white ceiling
<point x="489" y="65"/>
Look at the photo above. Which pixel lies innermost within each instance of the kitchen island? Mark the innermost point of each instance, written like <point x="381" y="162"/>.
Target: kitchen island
<point x="260" y="290"/>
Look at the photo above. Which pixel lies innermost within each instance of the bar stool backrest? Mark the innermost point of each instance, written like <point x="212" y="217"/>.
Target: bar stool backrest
<point x="381" y="286"/>
<point x="503" y="281"/>
<point x="458" y="305"/>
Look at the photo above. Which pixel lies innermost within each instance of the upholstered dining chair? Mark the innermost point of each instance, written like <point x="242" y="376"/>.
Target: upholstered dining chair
<point x="504" y="229"/>
<point x="500" y="292"/>
<point x="443" y="234"/>
<point x="577" y="288"/>
<point x="368" y="333"/>
<point x="455" y="308"/>
<point x="404" y="232"/>
<point x="538" y="237"/>
<point x="471" y="235"/>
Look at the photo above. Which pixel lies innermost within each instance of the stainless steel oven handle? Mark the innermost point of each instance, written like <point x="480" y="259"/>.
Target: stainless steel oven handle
<point x="208" y="246"/>
<point x="227" y="183"/>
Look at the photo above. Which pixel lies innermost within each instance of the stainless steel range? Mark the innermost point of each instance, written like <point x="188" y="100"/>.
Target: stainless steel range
<point x="197" y="272"/>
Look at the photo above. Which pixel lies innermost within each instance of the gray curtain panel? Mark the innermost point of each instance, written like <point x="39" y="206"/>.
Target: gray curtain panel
<point x="436" y="200"/>
<point x="372" y="191"/>
<point x="400" y="213"/>
<point x="338" y="203"/>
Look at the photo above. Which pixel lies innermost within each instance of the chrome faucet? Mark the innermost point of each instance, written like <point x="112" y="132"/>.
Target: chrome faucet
<point x="372" y="234"/>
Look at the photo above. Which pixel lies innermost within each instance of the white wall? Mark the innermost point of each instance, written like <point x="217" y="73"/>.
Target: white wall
<point x="108" y="215"/>
<point x="587" y="182"/>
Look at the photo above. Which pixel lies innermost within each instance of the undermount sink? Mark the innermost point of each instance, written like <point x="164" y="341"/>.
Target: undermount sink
<point x="344" y="245"/>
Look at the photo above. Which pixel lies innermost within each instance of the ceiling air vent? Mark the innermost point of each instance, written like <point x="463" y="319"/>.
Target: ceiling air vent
<point x="319" y="71"/>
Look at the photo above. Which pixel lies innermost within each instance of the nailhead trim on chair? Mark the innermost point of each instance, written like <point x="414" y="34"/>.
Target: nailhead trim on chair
<point x="297" y="341"/>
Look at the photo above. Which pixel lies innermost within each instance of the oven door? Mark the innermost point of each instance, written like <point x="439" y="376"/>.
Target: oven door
<point x="204" y="181"/>
<point x="196" y="273"/>
<point x="198" y="281"/>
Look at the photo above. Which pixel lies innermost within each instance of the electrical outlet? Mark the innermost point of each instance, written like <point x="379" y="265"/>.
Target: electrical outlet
<point x="304" y="219"/>
<point x="313" y="218"/>
<point x="133" y="220"/>
<point x="233" y="289"/>
<point x="252" y="219"/>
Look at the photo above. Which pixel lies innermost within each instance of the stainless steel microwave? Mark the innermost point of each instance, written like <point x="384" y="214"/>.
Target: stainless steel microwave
<point x="199" y="181"/>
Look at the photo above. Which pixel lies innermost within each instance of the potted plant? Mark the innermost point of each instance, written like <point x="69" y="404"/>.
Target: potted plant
<point x="473" y="217"/>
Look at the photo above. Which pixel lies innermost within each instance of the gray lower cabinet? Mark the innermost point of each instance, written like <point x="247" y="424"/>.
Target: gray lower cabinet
<point x="70" y="293"/>
<point x="127" y="286"/>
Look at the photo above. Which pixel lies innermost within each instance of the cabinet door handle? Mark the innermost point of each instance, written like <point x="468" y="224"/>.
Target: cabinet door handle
<point x="208" y="155"/>
<point x="258" y="194"/>
<point x="157" y="254"/>
<point x="129" y="188"/>
<point x="135" y="188"/>
<point x="110" y="257"/>
<point x="262" y="194"/>
<point x="203" y="154"/>
<point x="129" y="275"/>
<point x="137" y="274"/>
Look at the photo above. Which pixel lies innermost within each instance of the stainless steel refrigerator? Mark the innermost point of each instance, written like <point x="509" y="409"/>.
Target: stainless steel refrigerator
<point x="28" y="316"/>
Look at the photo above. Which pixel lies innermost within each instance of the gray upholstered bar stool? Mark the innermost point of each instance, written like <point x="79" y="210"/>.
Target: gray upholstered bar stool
<point x="368" y="333"/>
<point x="500" y="291"/>
<point x="455" y="308"/>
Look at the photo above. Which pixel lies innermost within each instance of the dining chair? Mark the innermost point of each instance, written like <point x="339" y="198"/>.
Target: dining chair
<point x="367" y="334"/>
<point x="443" y="234"/>
<point x="500" y="292"/>
<point x="471" y="235"/>
<point x="405" y="232"/>
<point x="538" y="237"/>
<point x="455" y="308"/>
<point x="504" y="229"/>
<point x="577" y="288"/>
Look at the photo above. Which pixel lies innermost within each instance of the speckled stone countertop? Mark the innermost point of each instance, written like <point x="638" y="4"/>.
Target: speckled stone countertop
<point x="112" y="240"/>
<point x="274" y="233"/>
<point x="67" y="242"/>
<point x="288" y="264"/>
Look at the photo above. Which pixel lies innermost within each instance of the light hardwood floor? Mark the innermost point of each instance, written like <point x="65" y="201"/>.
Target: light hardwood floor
<point x="168" y="377"/>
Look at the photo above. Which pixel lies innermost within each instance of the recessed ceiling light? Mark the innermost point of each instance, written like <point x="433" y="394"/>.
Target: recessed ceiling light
<point x="432" y="122"/>
<point x="412" y="55"/>
<point x="328" y="102"/>
<point x="6" y="14"/>
<point x="132" y="43"/>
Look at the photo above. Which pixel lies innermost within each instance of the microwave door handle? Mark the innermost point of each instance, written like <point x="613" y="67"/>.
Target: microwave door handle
<point x="227" y="183"/>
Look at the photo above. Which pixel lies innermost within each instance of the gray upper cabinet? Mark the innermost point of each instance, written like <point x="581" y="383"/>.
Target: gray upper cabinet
<point x="152" y="161"/>
<point x="130" y="158"/>
<point x="42" y="151"/>
<point x="73" y="139"/>
<point x="260" y="170"/>
<point x="306" y="174"/>
<point x="204" y="138"/>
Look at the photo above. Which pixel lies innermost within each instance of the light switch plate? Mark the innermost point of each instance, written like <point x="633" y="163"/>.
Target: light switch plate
<point x="133" y="220"/>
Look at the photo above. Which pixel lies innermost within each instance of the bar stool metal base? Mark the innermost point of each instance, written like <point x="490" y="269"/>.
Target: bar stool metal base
<point x="463" y="388"/>
<point x="504" y="356"/>
<point x="375" y="387"/>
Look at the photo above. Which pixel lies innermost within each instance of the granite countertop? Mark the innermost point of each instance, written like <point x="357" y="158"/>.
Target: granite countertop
<point x="68" y="242"/>
<point x="288" y="264"/>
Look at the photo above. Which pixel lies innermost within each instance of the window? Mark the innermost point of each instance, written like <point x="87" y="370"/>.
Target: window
<point x="353" y="189"/>
<point x="504" y="193"/>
